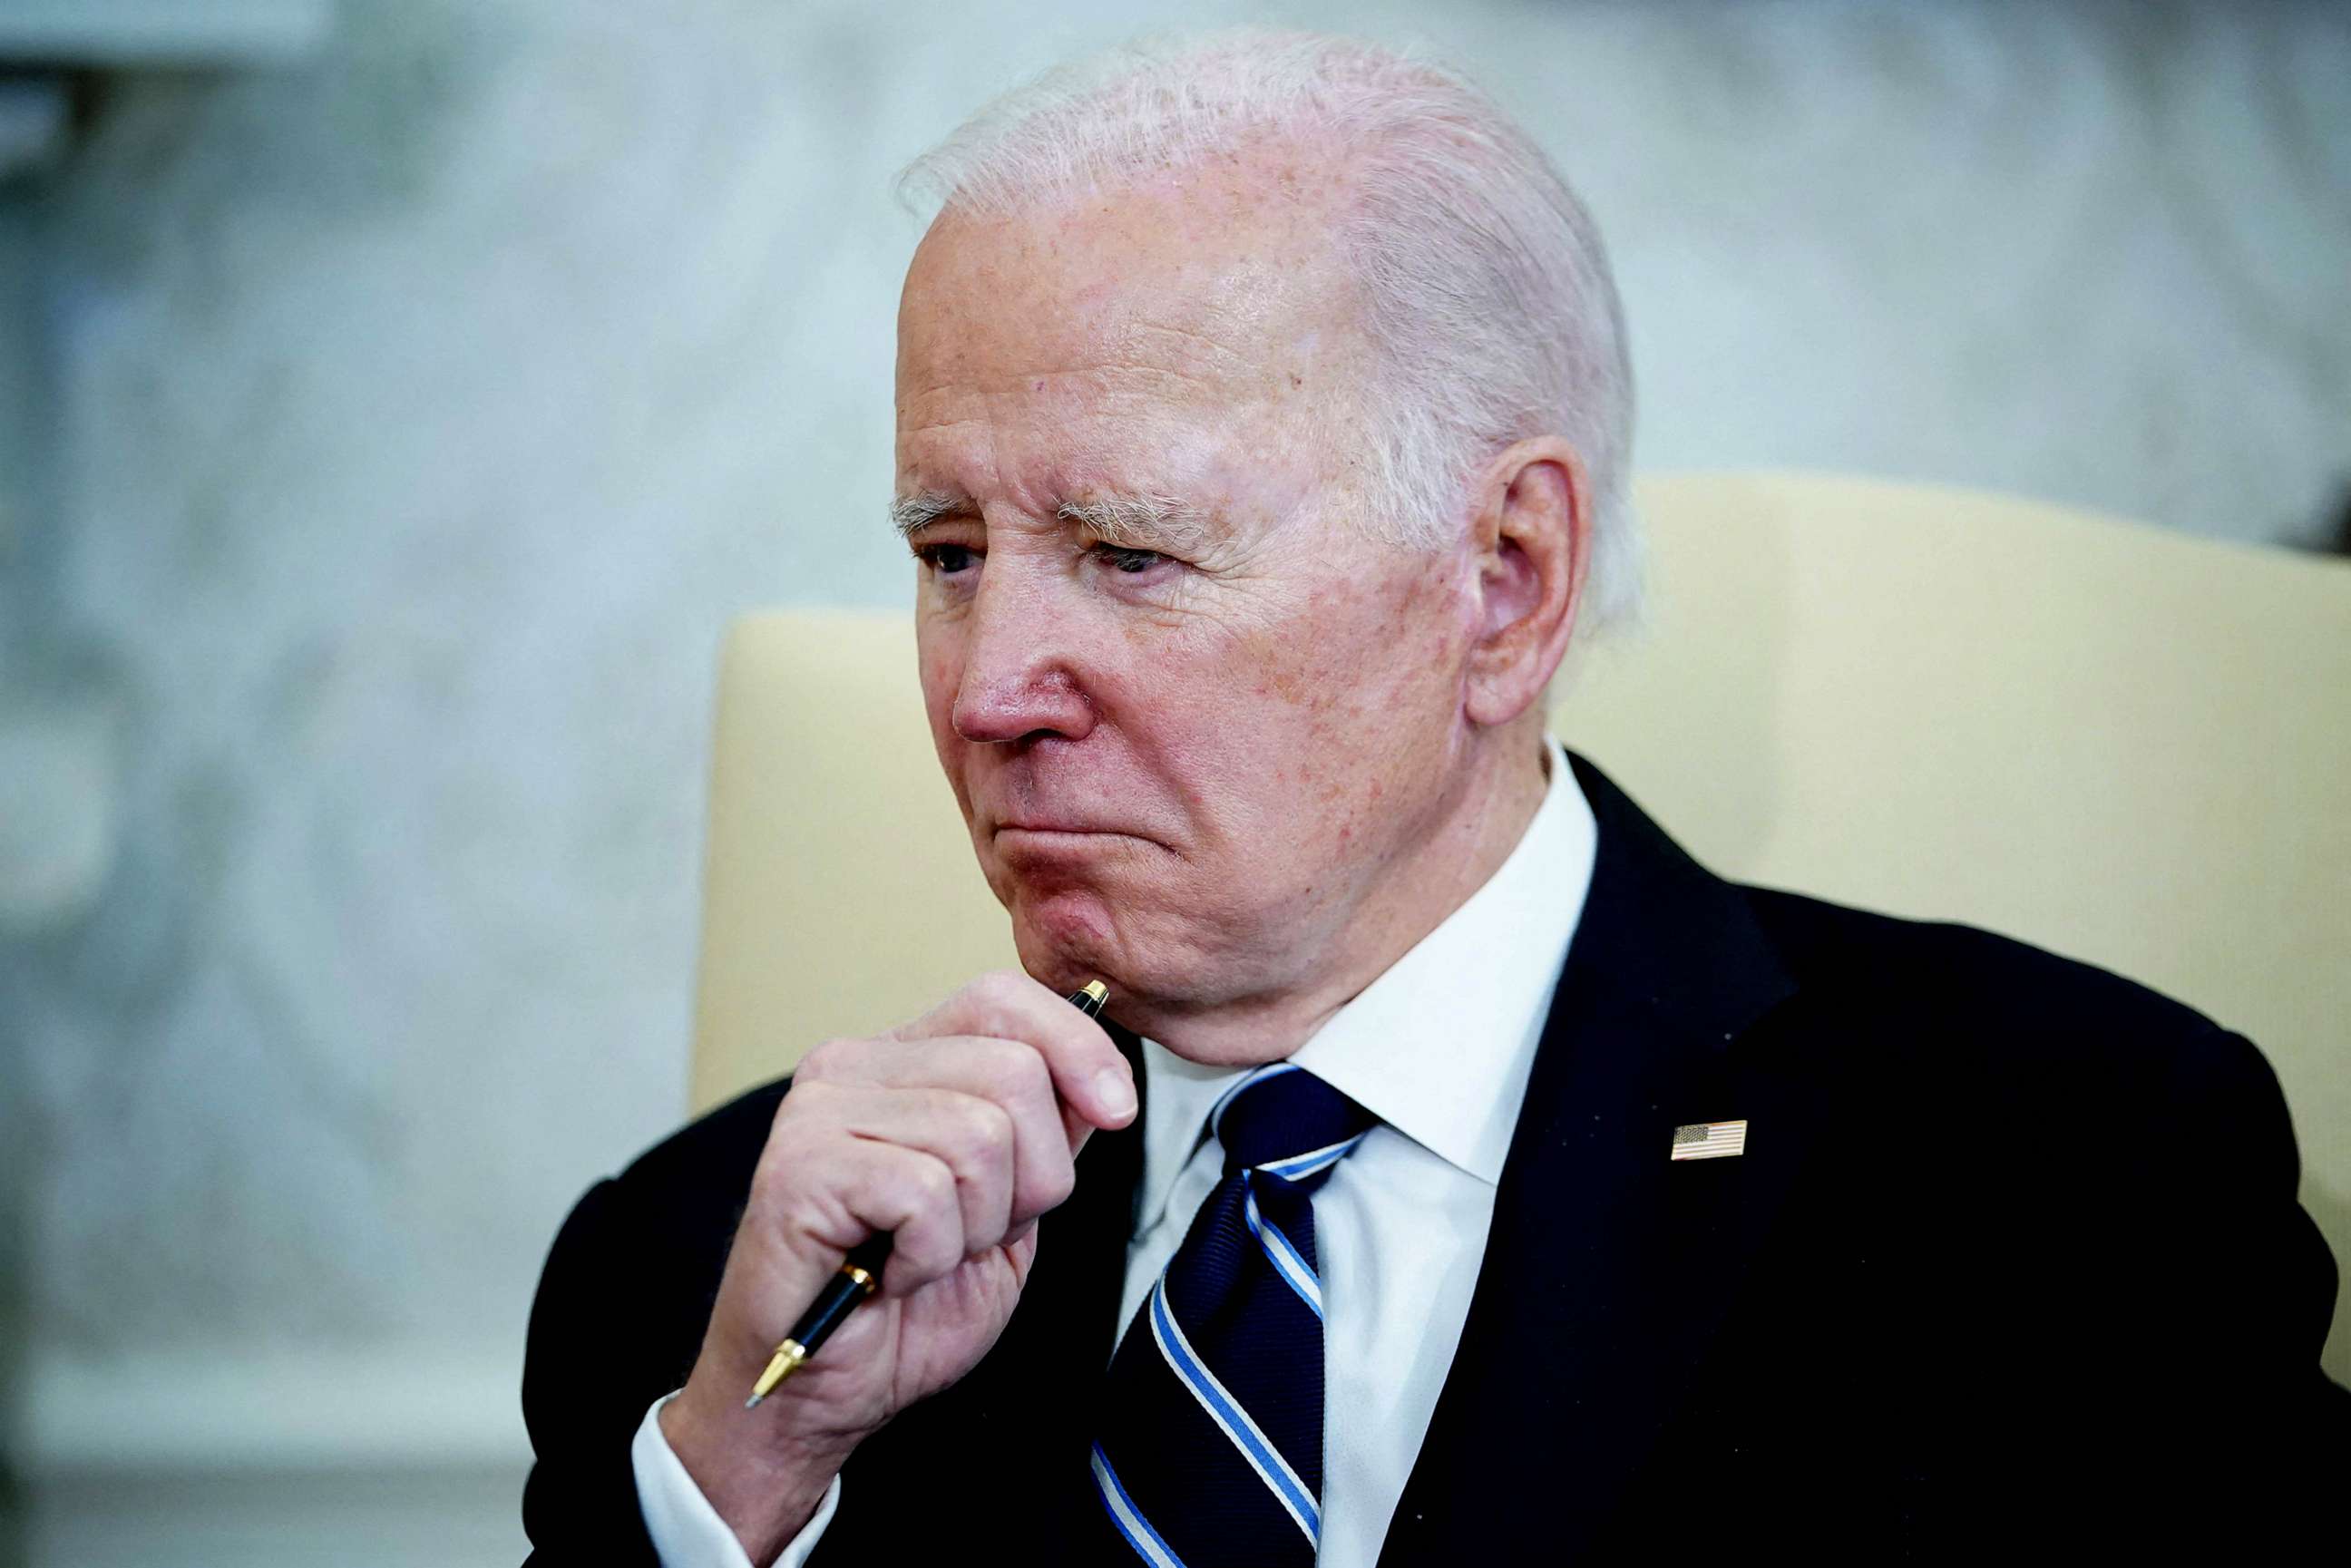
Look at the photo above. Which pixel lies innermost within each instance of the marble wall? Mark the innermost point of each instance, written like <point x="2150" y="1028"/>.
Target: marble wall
<point x="395" y="430"/>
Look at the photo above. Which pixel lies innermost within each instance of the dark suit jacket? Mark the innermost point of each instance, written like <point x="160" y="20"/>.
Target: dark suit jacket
<point x="2012" y="1264"/>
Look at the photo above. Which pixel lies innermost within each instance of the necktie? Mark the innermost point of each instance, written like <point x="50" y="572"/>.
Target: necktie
<point x="1209" y="1448"/>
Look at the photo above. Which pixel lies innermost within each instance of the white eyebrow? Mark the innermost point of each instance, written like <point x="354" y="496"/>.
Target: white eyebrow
<point x="1141" y="522"/>
<point x="908" y="513"/>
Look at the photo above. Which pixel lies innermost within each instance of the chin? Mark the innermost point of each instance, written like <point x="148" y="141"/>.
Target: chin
<point x="1150" y="982"/>
<point x="1071" y="937"/>
<point x="1065" y="935"/>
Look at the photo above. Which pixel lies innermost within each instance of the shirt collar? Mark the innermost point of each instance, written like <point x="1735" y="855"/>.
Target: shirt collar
<point x="1439" y="1045"/>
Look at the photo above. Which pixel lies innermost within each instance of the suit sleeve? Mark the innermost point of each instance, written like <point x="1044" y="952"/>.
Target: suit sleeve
<point x="584" y="1392"/>
<point x="2246" y="1434"/>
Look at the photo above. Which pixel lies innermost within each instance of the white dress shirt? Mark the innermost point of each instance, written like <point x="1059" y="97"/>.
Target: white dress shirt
<point x="1438" y="1048"/>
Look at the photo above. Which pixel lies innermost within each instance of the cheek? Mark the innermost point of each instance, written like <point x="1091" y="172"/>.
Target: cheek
<point x="1366" y="656"/>
<point x="1352" y="692"/>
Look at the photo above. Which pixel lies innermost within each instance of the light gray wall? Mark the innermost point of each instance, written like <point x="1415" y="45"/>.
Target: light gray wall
<point x="422" y="412"/>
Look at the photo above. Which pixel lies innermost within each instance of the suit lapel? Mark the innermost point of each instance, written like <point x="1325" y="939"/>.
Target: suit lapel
<point x="1609" y="1267"/>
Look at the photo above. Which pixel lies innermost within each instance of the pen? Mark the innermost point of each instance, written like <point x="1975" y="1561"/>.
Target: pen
<point x="861" y="1271"/>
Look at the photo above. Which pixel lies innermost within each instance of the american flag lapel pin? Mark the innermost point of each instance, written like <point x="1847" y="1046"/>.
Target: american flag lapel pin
<point x="1709" y="1140"/>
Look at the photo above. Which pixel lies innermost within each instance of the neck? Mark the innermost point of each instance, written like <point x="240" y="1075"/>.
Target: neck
<point x="1500" y="791"/>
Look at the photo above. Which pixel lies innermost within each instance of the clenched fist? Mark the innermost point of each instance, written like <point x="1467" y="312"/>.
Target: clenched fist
<point x="954" y="1133"/>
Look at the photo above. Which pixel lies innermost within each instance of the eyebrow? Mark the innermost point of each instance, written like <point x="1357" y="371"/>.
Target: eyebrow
<point x="911" y="513"/>
<point x="1138" y="521"/>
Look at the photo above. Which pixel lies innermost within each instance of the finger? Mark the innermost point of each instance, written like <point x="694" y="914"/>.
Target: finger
<point x="909" y="1193"/>
<point x="971" y="1135"/>
<point x="1089" y="1074"/>
<point x="1009" y="1073"/>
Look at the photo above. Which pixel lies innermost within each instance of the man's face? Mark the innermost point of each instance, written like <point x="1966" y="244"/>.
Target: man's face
<point x="1191" y="714"/>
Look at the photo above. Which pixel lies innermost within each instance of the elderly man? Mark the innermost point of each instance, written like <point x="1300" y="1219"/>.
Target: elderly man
<point x="1263" y="430"/>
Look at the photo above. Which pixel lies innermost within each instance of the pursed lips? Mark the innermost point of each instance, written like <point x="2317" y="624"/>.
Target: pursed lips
<point x="1041" y="843"/>
<point x="1058" y="827"/>
<point x="1038" y="829"/>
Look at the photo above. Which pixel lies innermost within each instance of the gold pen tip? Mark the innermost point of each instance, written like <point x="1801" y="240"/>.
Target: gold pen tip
<point x="1096" y="989"/>
<point x="782" y="1364"/>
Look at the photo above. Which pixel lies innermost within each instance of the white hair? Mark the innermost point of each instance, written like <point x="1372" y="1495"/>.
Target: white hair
<point x="1487" y="295"/>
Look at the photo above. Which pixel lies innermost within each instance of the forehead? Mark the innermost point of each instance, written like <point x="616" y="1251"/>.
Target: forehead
<point x="1191" y="338"/>
<point x="1222" y="282"/>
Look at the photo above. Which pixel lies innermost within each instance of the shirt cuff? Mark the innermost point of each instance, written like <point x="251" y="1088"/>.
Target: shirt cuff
<point x="686" y="1530"/>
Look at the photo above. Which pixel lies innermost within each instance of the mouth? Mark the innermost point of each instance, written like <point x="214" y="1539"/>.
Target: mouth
<point x="1060" y="831"/>
<point x="1048" y="838"/>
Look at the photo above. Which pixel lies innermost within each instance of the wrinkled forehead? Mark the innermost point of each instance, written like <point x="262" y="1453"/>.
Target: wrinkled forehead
<point x="1195" y="340"/>
<point x="1227" y="279"/>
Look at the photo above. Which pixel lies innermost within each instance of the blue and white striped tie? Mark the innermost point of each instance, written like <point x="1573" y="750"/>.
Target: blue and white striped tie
<point x="1208" y="1451"/>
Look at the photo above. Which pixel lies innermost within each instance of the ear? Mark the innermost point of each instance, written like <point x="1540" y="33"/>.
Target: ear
<point x="1533" y="533"/>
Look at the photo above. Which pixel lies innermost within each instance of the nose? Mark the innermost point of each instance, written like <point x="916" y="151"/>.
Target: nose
<point x="1021" y="667"/>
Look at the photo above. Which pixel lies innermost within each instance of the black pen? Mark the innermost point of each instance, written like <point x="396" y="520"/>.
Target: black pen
<point x="861" y="1271"/>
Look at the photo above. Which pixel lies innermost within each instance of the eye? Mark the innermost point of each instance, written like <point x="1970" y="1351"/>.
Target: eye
<point x="947" y="561"/>
<point x="1129" y="560"/>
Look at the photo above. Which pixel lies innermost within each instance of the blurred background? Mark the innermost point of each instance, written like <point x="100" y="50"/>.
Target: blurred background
<point x="398" y="398"/>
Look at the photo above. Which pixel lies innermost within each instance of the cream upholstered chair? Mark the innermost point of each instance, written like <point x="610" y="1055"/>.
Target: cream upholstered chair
<point x="2129" y="746"/>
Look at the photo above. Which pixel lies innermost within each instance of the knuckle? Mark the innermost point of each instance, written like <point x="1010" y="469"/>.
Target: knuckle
<point x="805" y="1095"/>
<point x="986" y="1131"/>
<point x="822" y="1060"/>
<point x="998" y="995"/>
<point x="1017" y="1072"/>
<point x="934" y="1186"/>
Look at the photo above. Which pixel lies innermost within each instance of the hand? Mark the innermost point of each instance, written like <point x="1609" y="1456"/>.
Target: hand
<point x="954" y="1133"/>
